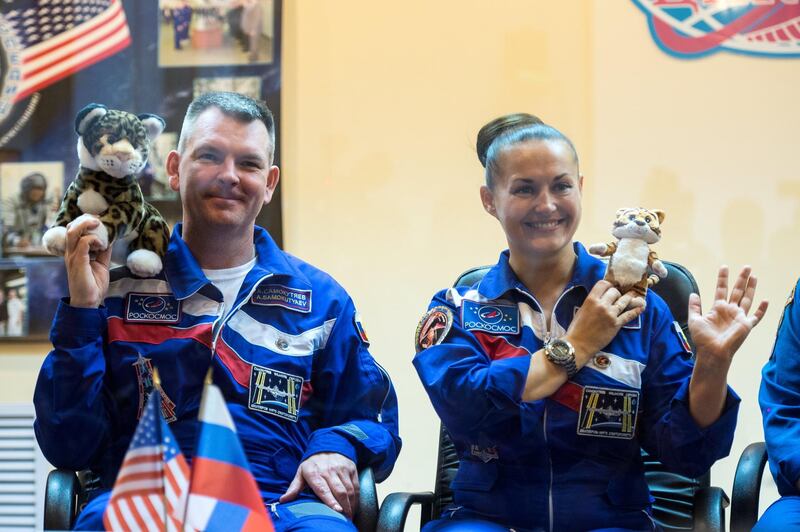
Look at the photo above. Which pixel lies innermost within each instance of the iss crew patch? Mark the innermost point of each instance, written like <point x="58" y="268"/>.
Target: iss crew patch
<point x="433" y="327"/>
<point x="491" y="318"/>
<point x="152" y="308"/>
<point x="608" y="413"/>
<point x="275" y="392"/>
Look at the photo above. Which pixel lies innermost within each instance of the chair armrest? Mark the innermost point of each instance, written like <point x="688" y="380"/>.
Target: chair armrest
<point x="395" y="507"/>
<point x="747" y="487"/>
<point x="60" y="499"/>
<point x="709" y="509"/>
<point x="366" y="517"/>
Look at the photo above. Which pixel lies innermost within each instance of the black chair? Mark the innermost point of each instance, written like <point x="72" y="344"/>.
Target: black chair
<point x="66" y="491"/>
<point x="681" y="503"/>
<point x="747" y="487"/>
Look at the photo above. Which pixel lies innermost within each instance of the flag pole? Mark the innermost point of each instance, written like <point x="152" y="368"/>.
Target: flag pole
<point x="209" y="379"/>
<point x="157" y="389"/>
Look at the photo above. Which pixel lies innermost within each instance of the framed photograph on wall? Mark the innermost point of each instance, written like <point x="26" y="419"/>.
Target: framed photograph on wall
<point x="233" y="32"/>
<point x="13" y="302"/>
<point x="30" y="194"/>
<point x="30" y="289"/>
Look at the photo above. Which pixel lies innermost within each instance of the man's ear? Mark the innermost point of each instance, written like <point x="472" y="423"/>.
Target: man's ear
<point x="173" y="162"/>
<point x="487" y="198"/>
<point x="273" y="176"/>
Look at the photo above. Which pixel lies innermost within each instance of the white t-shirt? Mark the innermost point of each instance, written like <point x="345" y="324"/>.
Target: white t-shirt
<point x="229" y="282"/>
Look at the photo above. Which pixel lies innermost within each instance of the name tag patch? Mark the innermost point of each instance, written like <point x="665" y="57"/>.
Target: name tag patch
<point x="275" y="392"/>
<point x="152" y="308"/>
<point x="608" y="413"/>
<point x="282" y="296"/>
<point x="496" y="319"/>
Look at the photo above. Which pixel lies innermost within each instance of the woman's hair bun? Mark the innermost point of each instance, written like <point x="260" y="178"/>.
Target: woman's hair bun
<point x="499" y="126"/>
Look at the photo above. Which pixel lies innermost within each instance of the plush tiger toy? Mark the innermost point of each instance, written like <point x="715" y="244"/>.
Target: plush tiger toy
<point x="112" y="149"/>
<point x="632" y="261"/>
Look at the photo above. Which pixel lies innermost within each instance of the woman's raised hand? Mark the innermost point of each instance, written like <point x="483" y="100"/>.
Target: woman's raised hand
<point x="720" y="332"/>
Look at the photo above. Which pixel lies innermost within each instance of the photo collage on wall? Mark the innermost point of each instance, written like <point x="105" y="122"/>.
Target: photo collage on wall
<point x="140" y="57"/>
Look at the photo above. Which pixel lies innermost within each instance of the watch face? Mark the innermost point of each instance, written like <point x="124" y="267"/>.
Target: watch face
<point x="560" y="349"/>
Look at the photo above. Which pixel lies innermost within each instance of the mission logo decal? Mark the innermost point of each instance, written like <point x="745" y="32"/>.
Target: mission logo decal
<point x="608" y="413"/>
<point x="433" y="327"/>
<point x="694" y="28"/>
<point x="152" y="308"/>
<point x="275" y="392"/>
<point x="497" y="319"/>
<point x="144" y="377"/>
<point x="282" y="296"/>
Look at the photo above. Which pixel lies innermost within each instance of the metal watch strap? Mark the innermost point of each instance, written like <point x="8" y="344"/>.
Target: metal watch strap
<point x="567" y="363"/>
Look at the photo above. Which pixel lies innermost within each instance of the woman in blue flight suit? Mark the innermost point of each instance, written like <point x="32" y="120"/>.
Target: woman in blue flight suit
<point x="549" y="380"/>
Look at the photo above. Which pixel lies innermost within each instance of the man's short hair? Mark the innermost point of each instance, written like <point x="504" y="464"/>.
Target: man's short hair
<point x="235" y="105"/>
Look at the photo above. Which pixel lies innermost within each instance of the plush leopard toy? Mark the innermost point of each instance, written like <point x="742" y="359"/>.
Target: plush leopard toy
<point x="632" y="262"/>
<point x="112" y="149"/>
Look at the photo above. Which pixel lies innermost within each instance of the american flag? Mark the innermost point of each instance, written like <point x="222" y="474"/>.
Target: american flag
<point x="154" y="474"/>
<point x="48" y="40"/>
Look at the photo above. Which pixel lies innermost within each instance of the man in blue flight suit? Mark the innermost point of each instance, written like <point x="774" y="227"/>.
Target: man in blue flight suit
<point x="779" y="398"/>
<point x="284" y="340"/>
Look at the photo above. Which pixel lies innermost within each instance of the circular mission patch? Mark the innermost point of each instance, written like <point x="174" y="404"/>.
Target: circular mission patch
<point x="433" y="327"/>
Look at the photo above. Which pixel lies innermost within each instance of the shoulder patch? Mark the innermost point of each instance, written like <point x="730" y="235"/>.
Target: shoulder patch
<point x="278" y="295"/>
<point x="362" y="334"/>
<point x="488" y="317"/>
<point x="433" y="327"/>
<point x="676" y="327"/>
<point x="152" y="308"/>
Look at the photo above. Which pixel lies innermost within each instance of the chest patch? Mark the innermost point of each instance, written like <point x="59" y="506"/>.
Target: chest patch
<point x="608" y="413"/>
<point x="152" y="308"/>
<point x="495" y="319"/>
<point x="275" y="392"/>
<point x="277" y="295"/>
<point x="144" y="376"/>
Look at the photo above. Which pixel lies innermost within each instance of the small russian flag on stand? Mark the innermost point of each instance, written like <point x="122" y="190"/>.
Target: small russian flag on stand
<point x="223" y="495"/>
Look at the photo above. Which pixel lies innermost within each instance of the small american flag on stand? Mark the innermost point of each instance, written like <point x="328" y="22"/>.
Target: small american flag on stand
<point x="151" y="487"/>
<point x="48" y="40"/>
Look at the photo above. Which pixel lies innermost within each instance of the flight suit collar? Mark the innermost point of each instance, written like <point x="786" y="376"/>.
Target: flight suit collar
<point x="501" y="279"/>
<point x="186" y="277"/>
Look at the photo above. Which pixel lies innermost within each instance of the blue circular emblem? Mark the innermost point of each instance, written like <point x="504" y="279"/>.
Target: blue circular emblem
<point x="154" y="304"/>
<point x="490" y="315"/>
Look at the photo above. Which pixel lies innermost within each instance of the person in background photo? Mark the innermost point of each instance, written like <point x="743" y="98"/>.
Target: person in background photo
<point x="181" y="21"/>
<point x="28" y="215"/>
<point x="252" y="17"/>
<point x="3" y="313"/>
<point x="16" y="313"/>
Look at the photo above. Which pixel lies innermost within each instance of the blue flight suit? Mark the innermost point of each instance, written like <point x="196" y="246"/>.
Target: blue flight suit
<point x="570" y="461"/>
<point x="290" y="357"/>
<point x="779" y="398"/>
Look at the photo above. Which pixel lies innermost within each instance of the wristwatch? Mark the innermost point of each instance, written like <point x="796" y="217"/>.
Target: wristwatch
<point x="561" y="353"/>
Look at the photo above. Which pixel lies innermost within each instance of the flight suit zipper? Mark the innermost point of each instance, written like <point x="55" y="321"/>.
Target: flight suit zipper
<point x="548" y="334"/>
<point x="225" y="318"/>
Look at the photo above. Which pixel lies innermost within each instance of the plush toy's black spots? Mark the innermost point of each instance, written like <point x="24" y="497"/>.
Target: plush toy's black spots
<point x="112" y="148"/>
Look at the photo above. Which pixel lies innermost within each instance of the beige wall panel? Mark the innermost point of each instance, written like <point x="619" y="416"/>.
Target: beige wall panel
<point x="382" y="102"/>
